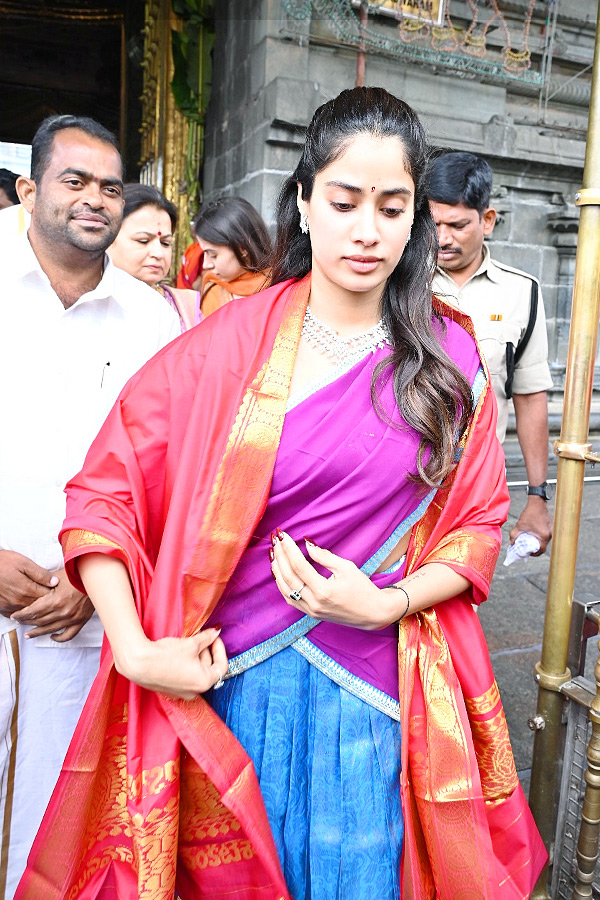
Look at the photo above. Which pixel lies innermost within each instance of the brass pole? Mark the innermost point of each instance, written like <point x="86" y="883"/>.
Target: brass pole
<point x="572" y="450"/>
<point x="587" y="845"/>
<point x="361" y="58"/>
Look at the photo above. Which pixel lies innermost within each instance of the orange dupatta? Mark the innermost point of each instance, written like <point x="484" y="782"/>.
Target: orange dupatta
<point x="216" y="292"/>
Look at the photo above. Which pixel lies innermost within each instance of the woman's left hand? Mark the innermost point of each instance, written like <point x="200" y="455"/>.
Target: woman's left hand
<point x="347" y="597"/>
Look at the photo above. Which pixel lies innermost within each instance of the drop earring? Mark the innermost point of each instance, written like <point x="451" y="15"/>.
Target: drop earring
<point x="303" y="223"/>
<point x="409" y="234"/>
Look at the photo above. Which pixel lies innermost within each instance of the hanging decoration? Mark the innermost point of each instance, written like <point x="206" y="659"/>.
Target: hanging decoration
<point x="485" y="38"/>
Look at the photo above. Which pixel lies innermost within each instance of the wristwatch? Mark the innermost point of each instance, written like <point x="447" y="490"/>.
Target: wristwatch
<point x="539" y="490"/>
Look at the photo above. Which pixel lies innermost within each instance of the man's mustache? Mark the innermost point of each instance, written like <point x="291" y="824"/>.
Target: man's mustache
<point x="89" y="214"/>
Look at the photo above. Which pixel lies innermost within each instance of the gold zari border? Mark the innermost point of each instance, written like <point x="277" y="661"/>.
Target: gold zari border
<point x="467" y="549"/>
<point x="78" y="539"/>
<point x="441" y="770"/>
<point x="251" y="449"/>
<point x="203" y="816"/>
<point x="492" y="745"/>
<point x="148" y="844"/>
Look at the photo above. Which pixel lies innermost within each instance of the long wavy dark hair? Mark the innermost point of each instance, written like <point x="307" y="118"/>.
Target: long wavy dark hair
<point x="431" y="392"/>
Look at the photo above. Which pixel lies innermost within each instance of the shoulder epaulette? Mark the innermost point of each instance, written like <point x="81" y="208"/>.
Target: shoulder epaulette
<point x="514" y="271"/>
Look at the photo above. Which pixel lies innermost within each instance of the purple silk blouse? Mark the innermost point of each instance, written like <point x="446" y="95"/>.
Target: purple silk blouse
<point x="341" y="478"/>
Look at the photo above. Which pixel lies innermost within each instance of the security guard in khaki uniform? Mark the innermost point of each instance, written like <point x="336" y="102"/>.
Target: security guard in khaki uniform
<point x="506" y="307"/>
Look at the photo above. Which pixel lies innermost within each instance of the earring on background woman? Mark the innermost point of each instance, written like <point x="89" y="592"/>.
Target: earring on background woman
<point x="304" y="223"/>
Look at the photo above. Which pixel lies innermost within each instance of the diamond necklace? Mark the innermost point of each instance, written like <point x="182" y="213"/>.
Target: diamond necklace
<point x="343" y="350"/>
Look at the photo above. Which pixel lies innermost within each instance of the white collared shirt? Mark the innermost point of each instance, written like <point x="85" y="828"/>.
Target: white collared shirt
<point x="497" y="298"/>
<point x="61" y="370"/>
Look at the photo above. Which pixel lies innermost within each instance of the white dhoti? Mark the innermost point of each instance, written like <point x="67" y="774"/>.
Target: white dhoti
<point x="9" y="674"/>
<point x="38" y="714"/>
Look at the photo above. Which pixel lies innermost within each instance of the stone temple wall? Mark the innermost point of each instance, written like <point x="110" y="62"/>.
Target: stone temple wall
<point x="272" y="71"/>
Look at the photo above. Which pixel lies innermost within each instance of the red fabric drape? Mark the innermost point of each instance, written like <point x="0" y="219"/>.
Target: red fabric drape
<point x="191" y="266"/>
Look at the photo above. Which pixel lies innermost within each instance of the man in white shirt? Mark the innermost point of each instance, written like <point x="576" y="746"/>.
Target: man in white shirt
<point x="73" y="330"/>
<point x="507" y="310"/>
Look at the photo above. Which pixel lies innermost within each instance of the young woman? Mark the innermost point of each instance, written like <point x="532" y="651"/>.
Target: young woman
<point x="236" y="247"/>
<point x="336" y="509"/>
<point x="144" y="248"/>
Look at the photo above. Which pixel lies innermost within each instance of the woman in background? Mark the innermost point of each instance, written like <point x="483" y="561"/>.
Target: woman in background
<point x="144" y="248"/>
<point x="236" y="246"/>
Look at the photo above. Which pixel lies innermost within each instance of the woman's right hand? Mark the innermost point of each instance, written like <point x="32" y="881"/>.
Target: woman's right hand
<point x="179" y="667"/>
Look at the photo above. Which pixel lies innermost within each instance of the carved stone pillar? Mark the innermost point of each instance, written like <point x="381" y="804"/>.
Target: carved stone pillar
<point x="564" y="225"/>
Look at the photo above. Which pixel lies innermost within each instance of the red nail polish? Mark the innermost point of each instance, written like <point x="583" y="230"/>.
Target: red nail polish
<point x="273" y="539"/>
<point x="280" y="534"/>
<point x="309" y="541"/>
<point x="217" y="626"/>
<point x="271" y="554"/>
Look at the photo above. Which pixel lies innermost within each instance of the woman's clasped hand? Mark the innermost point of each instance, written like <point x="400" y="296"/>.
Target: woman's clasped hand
<point x="180" y="667"/>
<point x="347" y="597"/>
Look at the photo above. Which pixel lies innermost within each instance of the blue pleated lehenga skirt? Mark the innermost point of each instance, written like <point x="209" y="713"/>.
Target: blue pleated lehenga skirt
<point x="329" y="769"/>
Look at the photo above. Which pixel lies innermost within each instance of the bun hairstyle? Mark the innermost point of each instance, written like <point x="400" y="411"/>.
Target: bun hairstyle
<point x="431" y="392"/>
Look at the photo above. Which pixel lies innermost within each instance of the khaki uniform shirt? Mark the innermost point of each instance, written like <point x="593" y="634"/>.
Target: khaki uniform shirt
<point x="497" y="298"/>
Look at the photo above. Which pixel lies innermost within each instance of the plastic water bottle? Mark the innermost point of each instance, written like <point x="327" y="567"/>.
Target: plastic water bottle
<point x="525" y="544"/>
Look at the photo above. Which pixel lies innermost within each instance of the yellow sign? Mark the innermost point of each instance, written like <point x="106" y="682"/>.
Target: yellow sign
<point x="426" y="10"/>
